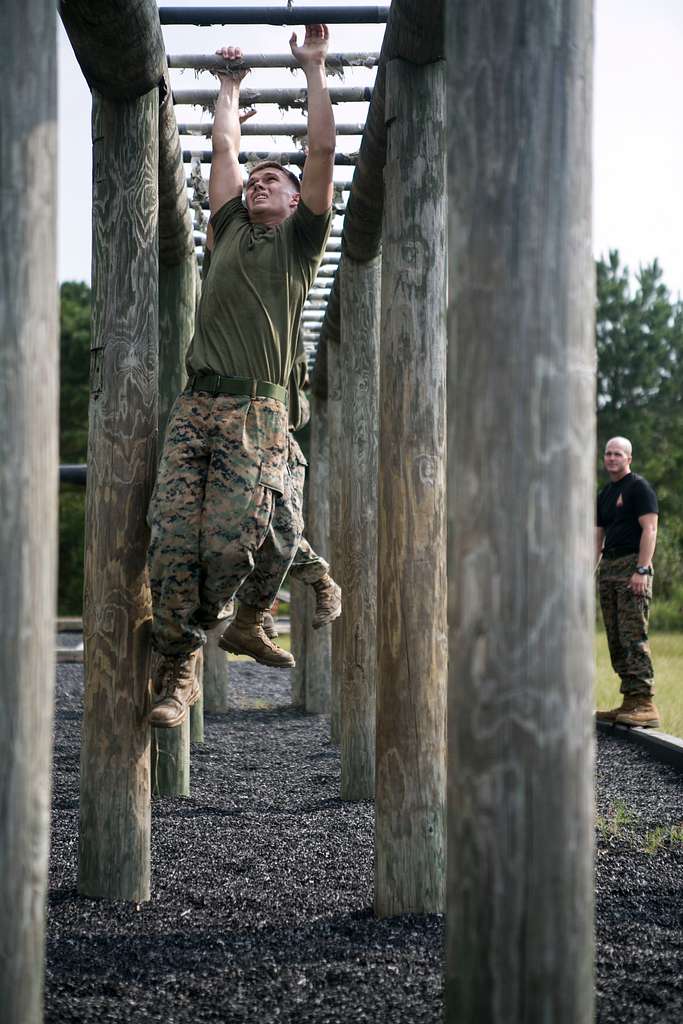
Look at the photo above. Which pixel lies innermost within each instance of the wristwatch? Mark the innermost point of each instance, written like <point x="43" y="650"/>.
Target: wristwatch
<point x="644" y="570"/>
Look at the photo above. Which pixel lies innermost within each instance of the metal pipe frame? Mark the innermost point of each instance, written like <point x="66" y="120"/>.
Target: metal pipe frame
<point x="282" y="97"/>
<point x="212" y="62"/>
<point x="294" y="157"/>
<point x="254" y="128"/>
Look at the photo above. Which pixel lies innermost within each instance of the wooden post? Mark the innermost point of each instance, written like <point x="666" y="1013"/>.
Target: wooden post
<point x="298" y="631"/>
<point x="335" y="552"/>
<point x="318" y="642"/>
<point x="359" y="373"/>
<point x="122" y="453"/>
<point x="197" y="710"/>
<point x="216" y="673"/>
<point x="170" y="751"/>
<point x="411" y="637"/>
<point x="521" y="442"/>
<point x="28" y="494"/>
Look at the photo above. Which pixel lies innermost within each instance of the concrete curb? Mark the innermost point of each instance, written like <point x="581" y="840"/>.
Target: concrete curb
<point x="660" y="745"/>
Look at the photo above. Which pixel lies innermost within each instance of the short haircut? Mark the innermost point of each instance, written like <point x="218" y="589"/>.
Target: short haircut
<point x="275" y="163"/>
<point x="621" y="442"/>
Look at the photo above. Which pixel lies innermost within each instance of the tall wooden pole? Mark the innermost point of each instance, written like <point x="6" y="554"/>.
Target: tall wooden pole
<point x="178" y="281"/>
<point x="28" y="494"/>
<point x="411" y="585"/>
<point x="298" y="632"/>
<point x="337" y="539"/>
<point x="318" y="646"/>
<point x="122" y="453"/>
<point x="521" y="443"/>
<point x="216" y="675"/>
<point x="359" y="378"/>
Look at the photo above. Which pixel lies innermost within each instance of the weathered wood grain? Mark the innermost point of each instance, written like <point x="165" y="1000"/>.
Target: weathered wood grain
<point x="335" y="553"/>
<point x="28" y="493"/>
<point x="178" y="285"/>
<point x="411" y="587"/>
<point x="118" y="45"/>
<point x="122" y="455"/>
<point x="197" y="710"/>
<point x="521" y="443"/>
<point x="176" y="235"/>
<point x="216" y="673"/>
<point x="359" y="381"/>
<point x="170" y="760"/>
<point x="318" y="645"/>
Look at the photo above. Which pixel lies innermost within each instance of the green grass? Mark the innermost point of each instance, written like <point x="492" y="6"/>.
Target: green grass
<point x="667" y="657"/>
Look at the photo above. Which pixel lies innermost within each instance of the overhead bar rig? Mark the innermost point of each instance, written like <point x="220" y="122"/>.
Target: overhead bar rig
<point x="296" y="157"/>
<point x="272" y="128"/>
<point x="281" y="97"/>
<point x="342" y="15"/>
<point x="334" y="64"/>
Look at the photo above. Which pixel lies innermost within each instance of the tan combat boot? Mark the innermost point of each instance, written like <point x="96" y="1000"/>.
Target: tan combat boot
<point x="644" y="714"/>
<point x="328" y="603"/>
<point x="269" y="627"/>
<point x="629" y="702"/>
<point x="245" y="635"/>
<point x="174" y="690"/>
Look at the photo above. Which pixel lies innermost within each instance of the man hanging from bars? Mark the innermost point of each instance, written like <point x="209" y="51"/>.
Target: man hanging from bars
<point x="225" y="452"/>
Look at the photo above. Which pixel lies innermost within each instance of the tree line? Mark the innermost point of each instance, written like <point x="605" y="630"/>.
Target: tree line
<point x="639" y="336"/>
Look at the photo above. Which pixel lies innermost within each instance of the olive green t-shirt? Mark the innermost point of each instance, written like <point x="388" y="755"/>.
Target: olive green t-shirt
<point x="250" y="308"/>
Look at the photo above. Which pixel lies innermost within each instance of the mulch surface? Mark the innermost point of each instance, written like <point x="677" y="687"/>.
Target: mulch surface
<point x="261" y="906"/>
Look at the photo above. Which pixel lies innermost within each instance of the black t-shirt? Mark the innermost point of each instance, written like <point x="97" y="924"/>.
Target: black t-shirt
<point x="620" y="505"/>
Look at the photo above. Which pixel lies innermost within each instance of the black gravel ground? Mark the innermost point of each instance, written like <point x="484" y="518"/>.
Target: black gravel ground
<point x="262" y="888"/>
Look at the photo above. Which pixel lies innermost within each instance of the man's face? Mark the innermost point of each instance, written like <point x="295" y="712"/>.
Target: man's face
<point x="271" y="197"/>
<point x="617" y="461"/>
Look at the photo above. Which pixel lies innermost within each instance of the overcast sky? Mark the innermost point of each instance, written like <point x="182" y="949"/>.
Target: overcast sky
<point x="638" y="144"/>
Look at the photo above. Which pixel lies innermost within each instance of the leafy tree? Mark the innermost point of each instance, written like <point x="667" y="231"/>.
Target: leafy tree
<point x="73" y="438"/>
<point x="74" y="356"/>
<point x="639" y="335"/>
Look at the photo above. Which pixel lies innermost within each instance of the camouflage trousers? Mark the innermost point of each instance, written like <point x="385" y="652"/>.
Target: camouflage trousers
<point x="277" y="555"/>
<point x="626" y="623"/>
<point x="222" y="469"/>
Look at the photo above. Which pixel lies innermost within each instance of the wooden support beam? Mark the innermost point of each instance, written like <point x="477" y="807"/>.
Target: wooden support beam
<point x="334" y="63"/>
<point x="115" y="784"/>
<point x="318" y="645"/>
<point x="299" y="618"/>
<point x="176" y="244"/>
<point x="216" y="673"/>
<point x="290" y="15"/>
<point x="337" y="530"/>
<point x="29" y="431"/>
<point x="178" y="294"/>
<point x="411" y="636"/>
<point x="359" y="386"/>
<point x="119" y="47"/>
<point x="521" y="455"/>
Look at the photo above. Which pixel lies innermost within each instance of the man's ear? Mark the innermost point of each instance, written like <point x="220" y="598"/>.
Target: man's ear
<point x="294" y="199"/>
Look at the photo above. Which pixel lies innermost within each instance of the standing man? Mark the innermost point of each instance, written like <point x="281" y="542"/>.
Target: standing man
<point x="225" y="451"/>
<point x="625" y="536"/>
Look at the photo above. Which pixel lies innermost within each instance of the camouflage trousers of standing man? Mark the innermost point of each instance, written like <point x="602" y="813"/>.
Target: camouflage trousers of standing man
<point x="222" y="471"/>
<point x="276" y="556"/>
<point x="626" y="624"/>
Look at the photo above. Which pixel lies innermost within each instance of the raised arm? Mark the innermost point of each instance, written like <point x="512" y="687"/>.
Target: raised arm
<point x="225" y="178"/>
<point x="316" y="186"/>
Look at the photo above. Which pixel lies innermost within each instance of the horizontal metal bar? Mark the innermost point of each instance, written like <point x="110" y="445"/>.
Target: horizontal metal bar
<point x="294" y="156"/>
<point x="334" y="62"/>
<point x="254" y="128"/>
<point x="370" y="15"/>
<point x="283" y="97"/>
